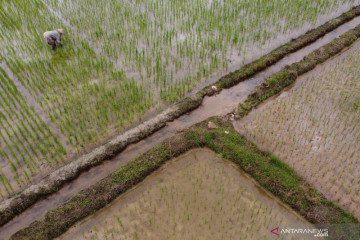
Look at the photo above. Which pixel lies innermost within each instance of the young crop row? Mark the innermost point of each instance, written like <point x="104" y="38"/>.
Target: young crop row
<point x="86" y="109"/>
<point x="83" y="97"/>
<point x="314" y="127"/>
<point x="173" y="45"/>
<point x="77" y="88"/>
<point x="150" y="51"/>
<point x="26" y="142"/>
<point x="193" y="198"/>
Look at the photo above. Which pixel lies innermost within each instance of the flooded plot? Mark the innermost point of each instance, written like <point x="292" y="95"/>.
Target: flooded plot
<point x="314" y="127"/>
<point x="196" y="196"/>
<point x="132" y="57"/>
<point x="173" y="45"/>
<point x="27" y="144"/>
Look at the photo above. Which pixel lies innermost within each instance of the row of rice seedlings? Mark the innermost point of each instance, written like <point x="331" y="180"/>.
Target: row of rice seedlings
<point x="171" y="88"/>
<point x="202" y="200"/>
<point x="165" y="42"/>
<point x="95" y="107"/>
<point x="84" y="107"/>
<point x="25" y="140"/>
<point x="43" y="69"/>
<point x="78" y="89"/>
<point x="62" y="85"/>
<point x="314" y="127"/>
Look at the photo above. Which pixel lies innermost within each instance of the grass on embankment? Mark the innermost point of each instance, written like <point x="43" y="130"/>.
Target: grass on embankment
<point x="270" y="172"/>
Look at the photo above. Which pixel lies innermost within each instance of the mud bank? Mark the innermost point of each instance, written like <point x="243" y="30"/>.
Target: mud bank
<point x="266" y="169"/>
<point x="17" y="204"/>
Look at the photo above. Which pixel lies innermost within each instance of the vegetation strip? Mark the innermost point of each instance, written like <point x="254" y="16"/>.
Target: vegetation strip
<point x="274" y="175"/>
<point x="19" y="203"/>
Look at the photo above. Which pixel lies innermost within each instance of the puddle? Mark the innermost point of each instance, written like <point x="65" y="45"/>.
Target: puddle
<point x="195" y="196"/>
<point x="221" y="104"/>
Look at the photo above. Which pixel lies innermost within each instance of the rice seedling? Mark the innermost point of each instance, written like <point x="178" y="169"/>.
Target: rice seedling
<point x="119" y="59"/>
<point x="197" y="196"/>
<point x="20" y="149"/>
<point x="175" y="44"/>
<point x="82" y="100"/>
<point x="314" y="127"/>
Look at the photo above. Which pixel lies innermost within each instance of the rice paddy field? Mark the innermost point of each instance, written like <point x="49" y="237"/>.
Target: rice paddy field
<point x="121" y="61"/>
<point x="314" y="127"/>
<point x="198" y="195"/>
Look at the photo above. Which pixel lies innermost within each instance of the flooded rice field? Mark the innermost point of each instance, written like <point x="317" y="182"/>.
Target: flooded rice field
<point x="190" y="47"/>
<point x="199" y="195"/>
<point x="221" y="104"/>
<point x="314" y="127"/>
<point x="134" y="61"/>
<point x="114" y="67"/>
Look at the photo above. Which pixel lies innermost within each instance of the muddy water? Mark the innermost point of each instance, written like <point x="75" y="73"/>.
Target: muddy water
<point x="198" y="195"/>
<point x="221" y="104"/>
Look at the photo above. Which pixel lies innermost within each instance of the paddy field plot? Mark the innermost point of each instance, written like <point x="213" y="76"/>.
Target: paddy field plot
<point x="120" y="59"/>
<point x="196" y="196"/>
<point x="172" y="45"/>
<point x="75" y="89"/>
<point x="314" y="127"/>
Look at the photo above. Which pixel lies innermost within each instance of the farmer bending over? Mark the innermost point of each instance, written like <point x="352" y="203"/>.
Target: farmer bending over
<point x="53" y="38"/>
